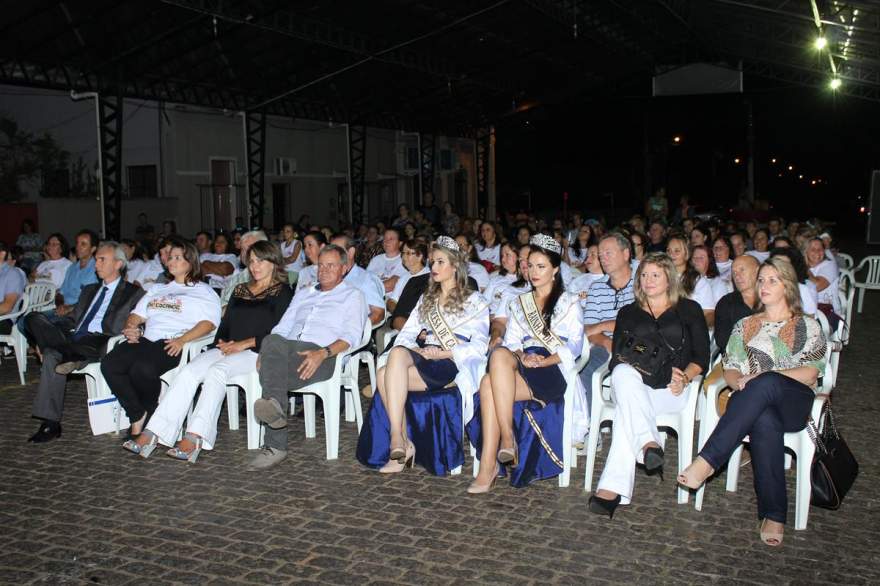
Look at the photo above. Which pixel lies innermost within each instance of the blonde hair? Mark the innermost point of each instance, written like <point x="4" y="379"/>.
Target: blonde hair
<point x="458" y="295"/>
<point x="675" y="290"/>
<point x="792" y="293"/>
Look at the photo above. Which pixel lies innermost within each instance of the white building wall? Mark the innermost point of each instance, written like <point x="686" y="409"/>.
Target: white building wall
<point x="181" y="141"/>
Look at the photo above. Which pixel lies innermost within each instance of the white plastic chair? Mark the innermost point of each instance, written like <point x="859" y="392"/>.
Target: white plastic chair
<point x="845" y="261"/>
<point x="682" y="423"/>
<point x="36" y="297"/>
<point x="872" y="279"/>
<point x="799" y="442"/>
<point x="569" y="458"/>
<point x="328" y="392"/>
<point x="96" y="386"/>
<point x="350" y="371"/>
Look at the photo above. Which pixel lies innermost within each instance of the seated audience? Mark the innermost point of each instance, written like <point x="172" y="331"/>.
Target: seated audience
<point x="662" y="314"/>
<point x="825" y="276"/>
<point x="80" y="336"/>
<point x="543" y="338"/>
<point x="54" y="268"/>
<point x="703" y="261"/>
<point x="243" y="276"/>
<point x="252" y="311"/>
<point x="605" y="298"/>
<point x="694" y="285"/>
<point x="454" y="320"/>
<point x="389" y="265"/>
<point x="292" y="249"/>
<point x="319" y="323"/>
<point x="503" y="277"/>
<point x="220" y="263"/>
<point x="809" y="295"/>
<point x="415" y="258"/>
<point x="364" y="281"/>
<point x="576" y="252"/>
<point x="12" y="284"/>
<point x="489" y="245"/>
<point x="739" y="303"/>
<point x="172" y="314"/>
<point x="475" y="268"/>
<point x="761" y="245"/>
<point x="722" y="252"/>
<point x="313" y="242"/>
<point x="771" y="396"/>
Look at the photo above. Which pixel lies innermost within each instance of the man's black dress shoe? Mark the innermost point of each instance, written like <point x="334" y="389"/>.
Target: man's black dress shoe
<point x="49" y="430"/>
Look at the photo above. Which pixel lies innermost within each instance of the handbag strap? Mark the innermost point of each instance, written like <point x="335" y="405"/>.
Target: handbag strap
<point x="660" y="333"/>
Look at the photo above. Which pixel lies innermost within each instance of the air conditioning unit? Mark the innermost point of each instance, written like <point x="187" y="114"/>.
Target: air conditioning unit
<point x="285" y="166"/>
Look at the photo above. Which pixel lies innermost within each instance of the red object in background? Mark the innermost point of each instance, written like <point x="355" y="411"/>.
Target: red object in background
<point x="11" y="217"/>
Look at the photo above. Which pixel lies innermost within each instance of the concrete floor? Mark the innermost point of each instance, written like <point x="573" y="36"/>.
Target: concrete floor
<point x="80" y="510"/>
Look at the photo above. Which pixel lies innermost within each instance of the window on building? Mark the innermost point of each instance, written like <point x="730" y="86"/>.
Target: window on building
<point x="142" y="181"/>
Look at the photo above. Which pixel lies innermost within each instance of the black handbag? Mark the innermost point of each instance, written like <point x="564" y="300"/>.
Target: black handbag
<point x="834" y="467"/>
<point x="652" y="356"/>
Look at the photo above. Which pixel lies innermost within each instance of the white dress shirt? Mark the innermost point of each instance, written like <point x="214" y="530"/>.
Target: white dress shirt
<point x="95" y="325"/>
<point x="322" y="317"/>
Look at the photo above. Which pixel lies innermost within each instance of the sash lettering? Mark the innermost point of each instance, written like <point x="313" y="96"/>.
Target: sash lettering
<point x="536" y="323"/>
<point x="441" y="329"/>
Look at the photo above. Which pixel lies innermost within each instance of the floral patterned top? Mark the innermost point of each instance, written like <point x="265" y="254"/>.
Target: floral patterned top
<point x="757" y="346"/>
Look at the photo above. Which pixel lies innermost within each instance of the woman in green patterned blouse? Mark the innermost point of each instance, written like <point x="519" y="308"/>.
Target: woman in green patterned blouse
<point x="772" y="363"/>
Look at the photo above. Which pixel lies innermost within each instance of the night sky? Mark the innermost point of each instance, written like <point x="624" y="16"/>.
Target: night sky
<point x="597" y="147"/>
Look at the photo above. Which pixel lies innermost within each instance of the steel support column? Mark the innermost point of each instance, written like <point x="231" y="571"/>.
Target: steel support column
<point x="427" y="143"/>
<point x="110" y="115"/>
<point x="357" y="154"/>
<point x="255" y="131"/>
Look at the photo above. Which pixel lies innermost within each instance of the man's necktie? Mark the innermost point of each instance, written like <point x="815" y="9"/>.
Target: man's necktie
<point x="83" y="328"/>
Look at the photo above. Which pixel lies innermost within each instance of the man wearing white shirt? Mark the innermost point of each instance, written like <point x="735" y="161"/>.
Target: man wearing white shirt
<point x="82" y="336"/>
<point x="364" y="281"/>
<point x="389" y="266"/>
<point x="320" y="322"/>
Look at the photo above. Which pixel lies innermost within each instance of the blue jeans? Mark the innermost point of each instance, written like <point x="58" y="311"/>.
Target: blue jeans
<point x="769" y="406"/>
<point x="598" y="356"/>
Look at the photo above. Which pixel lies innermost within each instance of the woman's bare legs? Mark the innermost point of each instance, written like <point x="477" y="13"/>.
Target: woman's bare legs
<point x="400" y="377"/>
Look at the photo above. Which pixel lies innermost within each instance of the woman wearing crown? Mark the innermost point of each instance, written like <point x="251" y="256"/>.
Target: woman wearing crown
<point x="443" y="342"/>
<point x="544" y="337"/>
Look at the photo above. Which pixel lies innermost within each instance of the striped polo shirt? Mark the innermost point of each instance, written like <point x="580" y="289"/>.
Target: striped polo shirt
<point x="604" y="301"/>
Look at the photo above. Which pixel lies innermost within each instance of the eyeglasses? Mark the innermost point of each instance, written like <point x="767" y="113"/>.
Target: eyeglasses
<point x="328" y="265"/>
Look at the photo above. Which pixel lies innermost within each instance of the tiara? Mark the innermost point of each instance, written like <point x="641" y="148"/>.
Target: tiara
<point x="546" y="242"/>
<point x="447" y="242"/>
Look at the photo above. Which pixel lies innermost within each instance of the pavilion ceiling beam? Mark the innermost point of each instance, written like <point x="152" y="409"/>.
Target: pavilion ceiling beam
<point x="293" y="25"/>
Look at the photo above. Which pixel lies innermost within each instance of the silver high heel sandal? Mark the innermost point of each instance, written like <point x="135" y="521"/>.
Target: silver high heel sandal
<point x="144" y="451"/>
<point x="190" y="456"/>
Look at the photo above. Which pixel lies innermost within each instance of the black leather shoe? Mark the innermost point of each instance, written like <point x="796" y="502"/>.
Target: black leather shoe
<point x="601" y="506"/>
<point x="49" y="430"/>
<point x="654" y="462"/>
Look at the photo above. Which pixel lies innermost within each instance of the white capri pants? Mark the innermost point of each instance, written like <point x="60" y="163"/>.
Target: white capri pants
<point x="635" y="424"/>
<point x="213" y="370"/>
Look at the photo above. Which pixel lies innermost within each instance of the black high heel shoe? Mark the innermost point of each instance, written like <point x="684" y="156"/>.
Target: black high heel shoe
<point x="602" y="506"/>
<point x="654" y="462"/>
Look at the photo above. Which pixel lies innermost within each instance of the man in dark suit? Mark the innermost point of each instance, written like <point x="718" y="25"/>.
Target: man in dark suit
<point x="81" y="337"/>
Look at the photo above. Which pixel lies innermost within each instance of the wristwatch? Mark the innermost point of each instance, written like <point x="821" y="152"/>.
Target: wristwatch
<point x="328" y="351"/>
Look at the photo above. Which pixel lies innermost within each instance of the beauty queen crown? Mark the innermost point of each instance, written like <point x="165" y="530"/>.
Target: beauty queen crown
<point x="447" y="242"/>
<point x="546" y="242"/>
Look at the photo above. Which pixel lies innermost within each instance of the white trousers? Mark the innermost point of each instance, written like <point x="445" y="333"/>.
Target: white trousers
<point x="212" y="370"/>
<point x="635" y="424"/>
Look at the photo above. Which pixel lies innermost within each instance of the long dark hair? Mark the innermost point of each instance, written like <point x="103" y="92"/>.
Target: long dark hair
<point x="797" y="261"/>
<point x="558" y="287"/>
<point x="509" y="245"/>
<point x="575" y="245"/>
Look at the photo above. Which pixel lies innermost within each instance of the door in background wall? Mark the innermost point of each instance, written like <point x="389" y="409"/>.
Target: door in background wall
<point x="222" y="192"/>
<point x="280" y="192"/>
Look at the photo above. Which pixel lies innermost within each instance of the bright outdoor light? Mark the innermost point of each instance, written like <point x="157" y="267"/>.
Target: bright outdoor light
<point x="737" y="161"/>
<point x="821" y="43"/>
<point x="676" y="139"/>
<point x="835" y="83"/>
